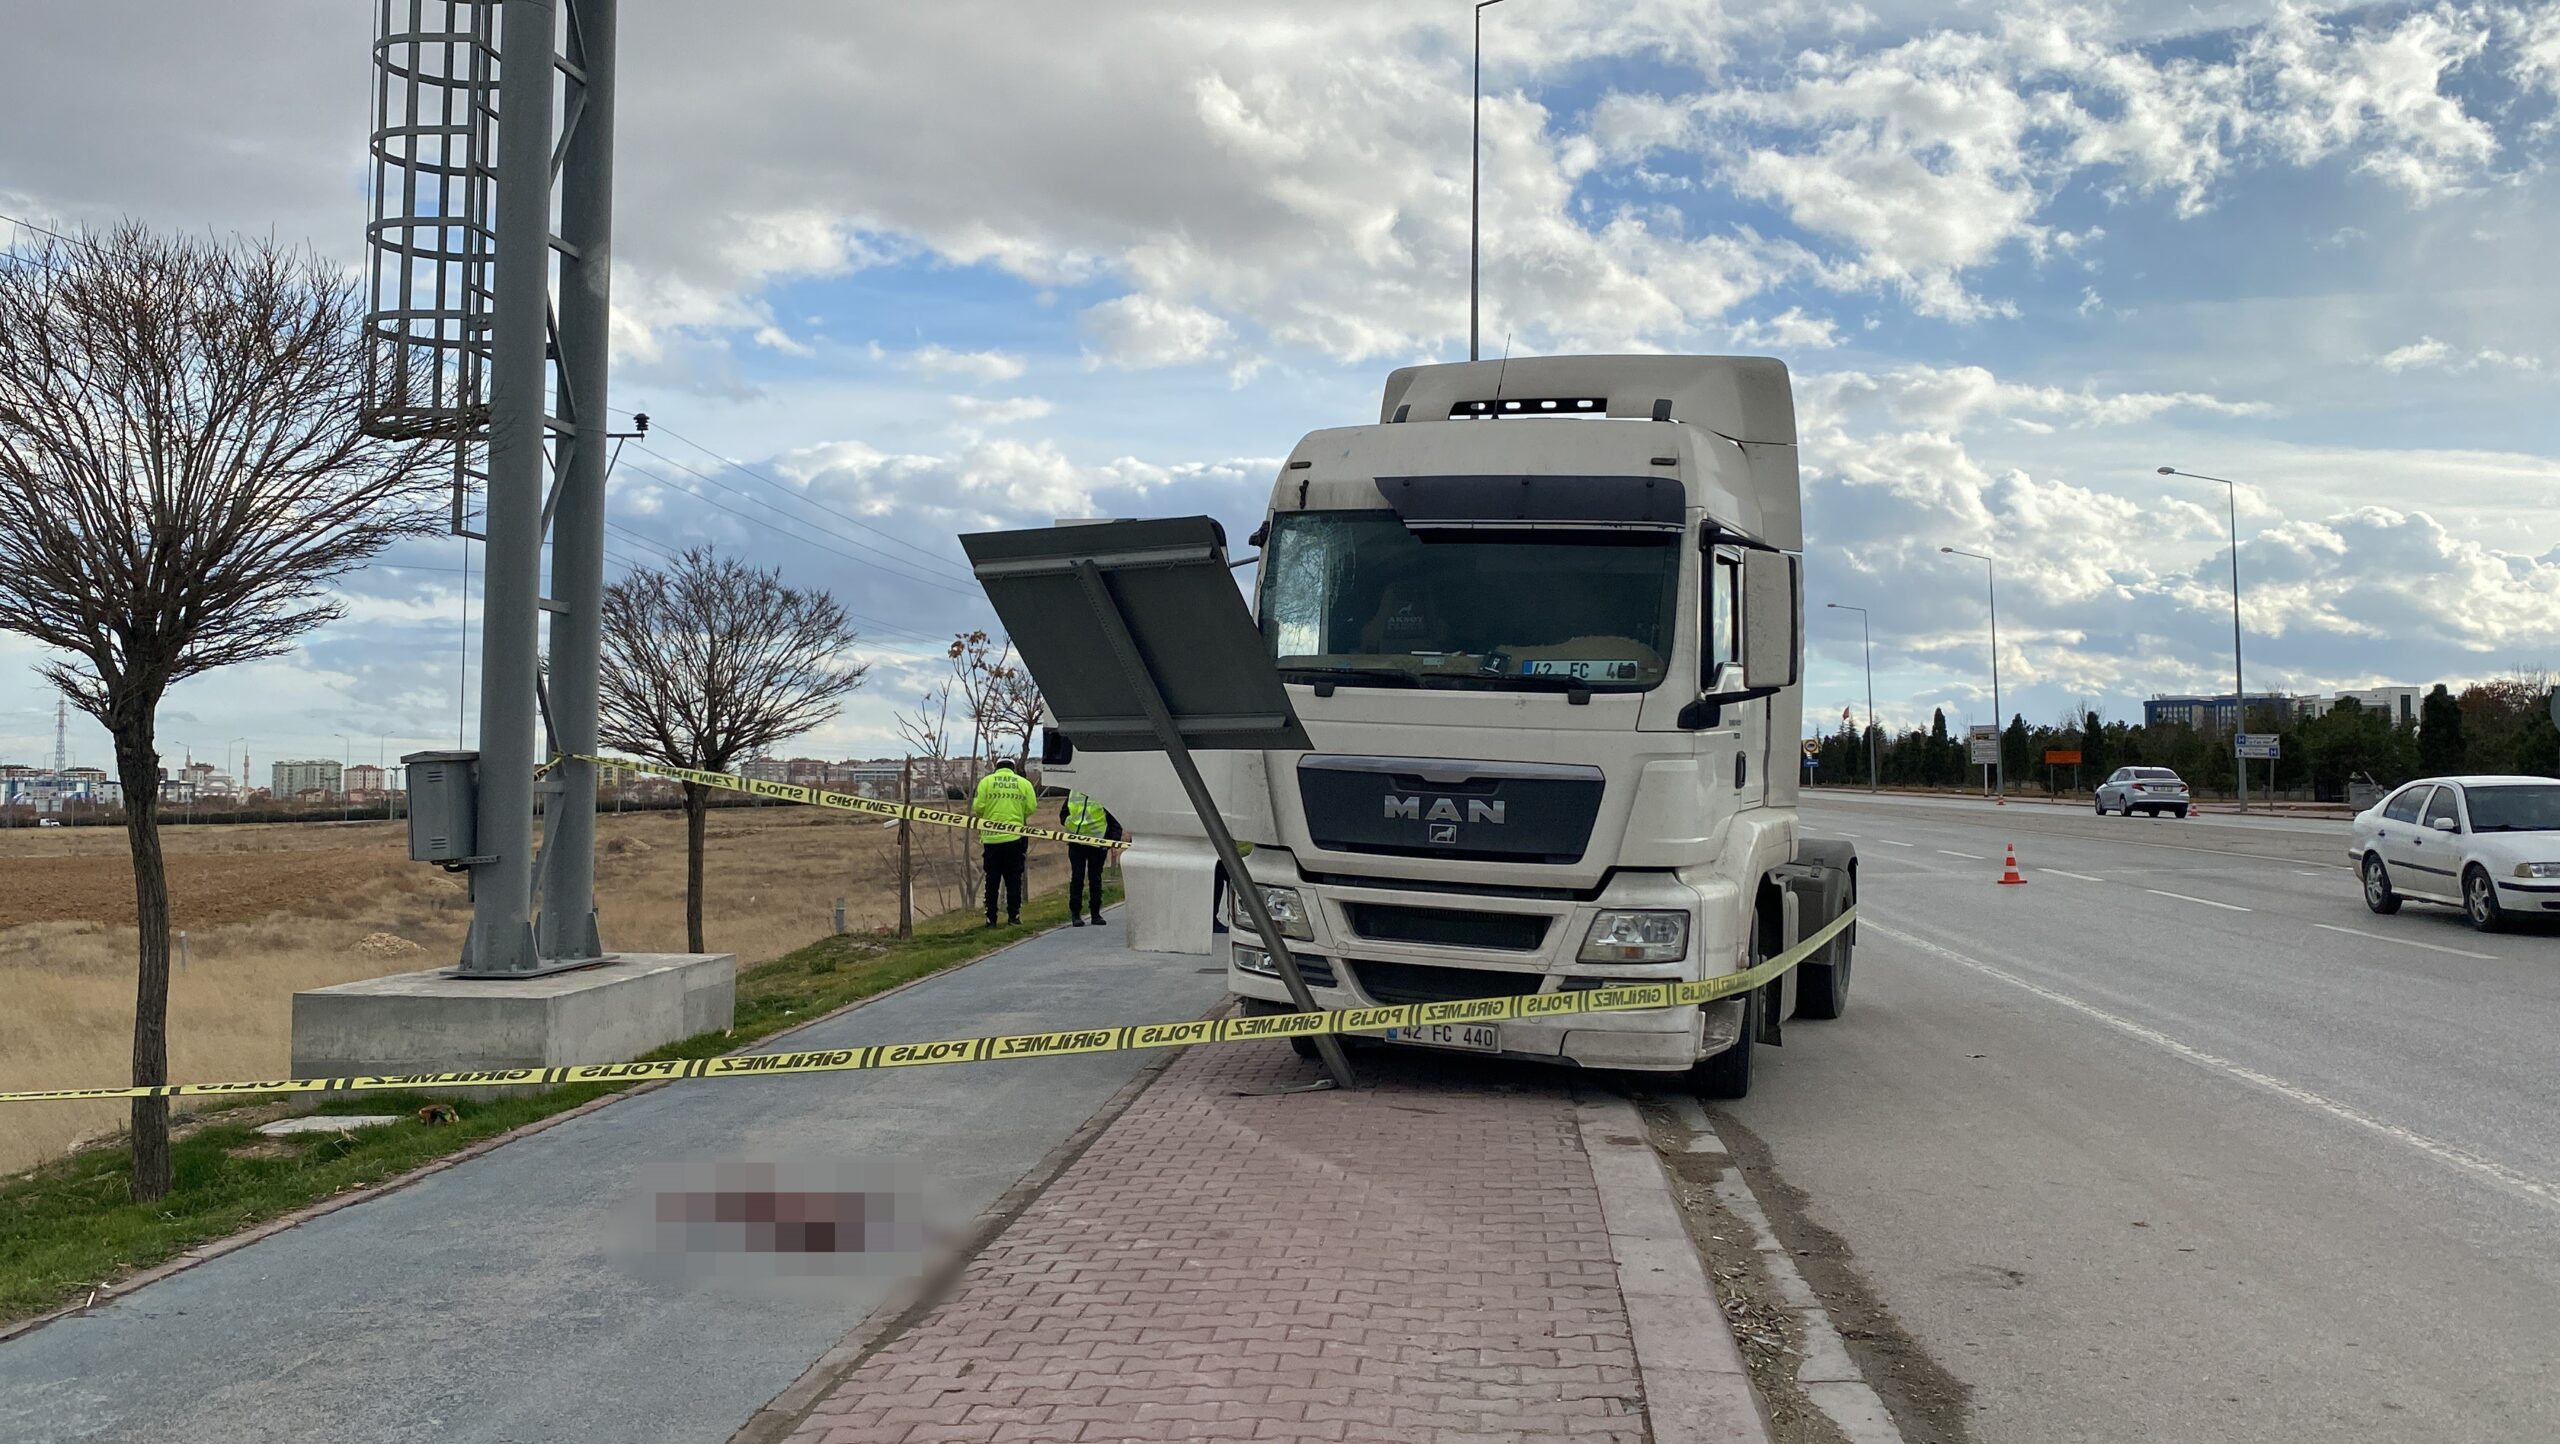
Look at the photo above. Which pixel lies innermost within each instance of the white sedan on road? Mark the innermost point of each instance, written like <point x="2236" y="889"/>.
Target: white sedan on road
<point x="2152" y="790"/>
<point x="2487" y="845"/>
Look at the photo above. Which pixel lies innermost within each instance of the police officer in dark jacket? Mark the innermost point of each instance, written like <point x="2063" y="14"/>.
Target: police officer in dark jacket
<point x="1083" y="817"/>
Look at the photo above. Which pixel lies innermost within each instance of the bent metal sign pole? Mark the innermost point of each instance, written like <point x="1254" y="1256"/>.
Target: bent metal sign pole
<point x="1141" y="641"/>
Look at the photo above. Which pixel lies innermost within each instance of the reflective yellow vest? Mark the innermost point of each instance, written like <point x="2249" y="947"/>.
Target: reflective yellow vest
<point x="1004" y="802"/>
<point x="1085" y="817"/>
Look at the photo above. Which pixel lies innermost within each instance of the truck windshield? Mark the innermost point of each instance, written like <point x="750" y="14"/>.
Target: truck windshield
<point x="1360" y="595"/>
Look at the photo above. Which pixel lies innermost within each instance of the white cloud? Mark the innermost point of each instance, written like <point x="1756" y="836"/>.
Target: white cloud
<point x="774" y="338"/>
<point x="1789" y="330"/>
<point x="1143" y="331"/>
<point x="1005" y="481"/>
<point x="2377" y="92"/>
<point x="1929" y="159"/>
<point x="2114" y="582"/>
<point x="2429" y="354"/>
<point x="2426" y="351"/>
<point x="1000" y="410"/>
<point x="1945" y="400"/>
<point x="976" y="365"/>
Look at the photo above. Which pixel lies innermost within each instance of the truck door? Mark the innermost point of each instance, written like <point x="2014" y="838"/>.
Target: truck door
<point x="1739" y="759"/>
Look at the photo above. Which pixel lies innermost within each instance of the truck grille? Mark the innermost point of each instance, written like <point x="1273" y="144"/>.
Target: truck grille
<point x="1423" y="983"/>
<point x="1461" y="811"/>
<point x="1447" y="927"/>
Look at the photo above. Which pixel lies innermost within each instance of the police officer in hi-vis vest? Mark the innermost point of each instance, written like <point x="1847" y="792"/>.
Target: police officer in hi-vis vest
<point x="1005" y="801"/>
<point x="1084" y="817"/>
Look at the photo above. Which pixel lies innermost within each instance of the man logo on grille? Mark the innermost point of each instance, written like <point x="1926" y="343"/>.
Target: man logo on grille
<point x="1443" y="809"/>
<point x="1444" y="832"/>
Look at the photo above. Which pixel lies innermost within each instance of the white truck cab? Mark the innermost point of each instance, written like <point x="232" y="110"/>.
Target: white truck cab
<point x="1543" y="623"/>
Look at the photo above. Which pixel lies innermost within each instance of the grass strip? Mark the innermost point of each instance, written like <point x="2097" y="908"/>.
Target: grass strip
<point x="69" y="1226"/>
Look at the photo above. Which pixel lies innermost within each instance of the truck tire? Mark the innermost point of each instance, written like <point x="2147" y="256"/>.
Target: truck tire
<point x="1727" y="1075"/>
<point x="1822" y="989"/>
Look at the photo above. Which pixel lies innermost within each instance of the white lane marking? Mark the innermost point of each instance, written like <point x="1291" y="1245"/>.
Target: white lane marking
<point x="1951" y="852"/>
<point x="2208" y="902"/>
<point x="1889" y="842"/>
<point x="2057" y="872"/>
<point x="1844" y="834"/>
<point x="2303" y="872"/>
<point x="2408" y="942"/>
<point x="2537" y="1189"/>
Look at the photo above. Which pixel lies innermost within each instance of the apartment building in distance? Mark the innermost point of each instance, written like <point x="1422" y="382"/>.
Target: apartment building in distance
<point x="292" y="779"/>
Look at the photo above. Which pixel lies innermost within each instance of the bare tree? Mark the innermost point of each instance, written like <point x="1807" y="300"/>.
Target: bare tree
<point x="982" y="667"/>
<point x="181" y="478"/>
<point x="1013" y="707"/>
<point x="710" y="660"/>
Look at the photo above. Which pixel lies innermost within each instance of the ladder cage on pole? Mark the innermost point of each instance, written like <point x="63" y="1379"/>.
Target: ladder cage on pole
<point x="430" y="236"/>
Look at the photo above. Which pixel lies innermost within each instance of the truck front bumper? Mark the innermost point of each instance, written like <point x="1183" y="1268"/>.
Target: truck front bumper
<point x="1346" y="969"/>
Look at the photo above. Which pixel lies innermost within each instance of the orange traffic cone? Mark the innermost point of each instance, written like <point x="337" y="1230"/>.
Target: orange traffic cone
<point x="2009" y="876"/>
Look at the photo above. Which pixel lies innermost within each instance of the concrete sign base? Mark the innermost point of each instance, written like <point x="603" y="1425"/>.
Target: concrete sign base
<point x="429" y="1022"/>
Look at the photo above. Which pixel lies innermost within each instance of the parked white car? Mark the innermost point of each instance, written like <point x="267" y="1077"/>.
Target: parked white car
<point x="2154" y="790"/>
<point x="2487" y="845"/>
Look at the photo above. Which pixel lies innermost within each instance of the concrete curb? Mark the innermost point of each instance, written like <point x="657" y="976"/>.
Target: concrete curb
<point x="1696" y="1388"/>
<point x="110" y="1292"/>
<point x="1829" y="1377"/>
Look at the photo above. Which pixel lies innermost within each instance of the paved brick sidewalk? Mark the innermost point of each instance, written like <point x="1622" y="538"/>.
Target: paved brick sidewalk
<point x="1420" y="1261"/>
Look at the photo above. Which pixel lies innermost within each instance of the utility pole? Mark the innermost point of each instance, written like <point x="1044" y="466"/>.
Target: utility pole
<point x="475" y="347"/>
<point x="1991" y="580"/>
<point x="1475" y="180"/>
<point x="906" y="850"/>
<point x="1868" y="643"/>
<point x="2239" y="691"/>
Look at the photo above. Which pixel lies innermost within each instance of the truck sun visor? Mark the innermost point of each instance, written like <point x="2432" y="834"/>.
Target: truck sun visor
<point x="1448" y="500"/>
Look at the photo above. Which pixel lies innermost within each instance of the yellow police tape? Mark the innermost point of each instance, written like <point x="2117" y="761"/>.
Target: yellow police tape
<point x="840" y="801"/>
<point x="1624" y="999"/>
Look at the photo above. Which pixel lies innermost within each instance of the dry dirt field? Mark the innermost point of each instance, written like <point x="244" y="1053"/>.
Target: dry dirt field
<point x="272" y="908"/>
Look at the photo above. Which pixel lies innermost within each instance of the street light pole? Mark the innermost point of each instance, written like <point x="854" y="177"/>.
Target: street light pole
<point x="2000" y="754"/>
<point x="2239" y="693"/>
<point x="1868" y="643"/>
<point x="1475" y="179"/>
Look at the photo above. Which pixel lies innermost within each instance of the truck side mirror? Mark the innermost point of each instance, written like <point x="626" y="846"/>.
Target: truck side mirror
<point x="1770" y="620"/>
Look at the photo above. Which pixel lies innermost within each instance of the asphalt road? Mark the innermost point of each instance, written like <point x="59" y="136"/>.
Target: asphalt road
<point x="512" y="1298"/>
<point x="2178" y="1141"/>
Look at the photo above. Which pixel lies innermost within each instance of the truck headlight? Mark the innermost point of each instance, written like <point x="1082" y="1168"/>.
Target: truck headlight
<point x="1288" y="913"/>
<point x="1252" y="960"/>
<point x="1637" y="937"/>
<point x="2538" y="869"/>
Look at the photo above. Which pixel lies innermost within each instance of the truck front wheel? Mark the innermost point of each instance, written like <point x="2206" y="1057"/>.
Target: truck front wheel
<point x="1728" y="1074"/>
<point x="1822" y="989"/>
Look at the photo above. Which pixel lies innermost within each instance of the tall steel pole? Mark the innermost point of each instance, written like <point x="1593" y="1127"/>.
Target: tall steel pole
<point x="502" y="942"/>
<point x="2000" y="754"/>
<point x="2239" y="691"/>
<point x="1475" y="179"/>
<point x="1868" y="643"/>
<point x="568" y="913"/>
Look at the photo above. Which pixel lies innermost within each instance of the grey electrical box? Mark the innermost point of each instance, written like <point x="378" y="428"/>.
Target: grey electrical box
<point x="444" y="805"/>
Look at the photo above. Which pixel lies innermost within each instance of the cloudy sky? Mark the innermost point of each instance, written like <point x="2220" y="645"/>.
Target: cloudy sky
<point x="887" y="272"/>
